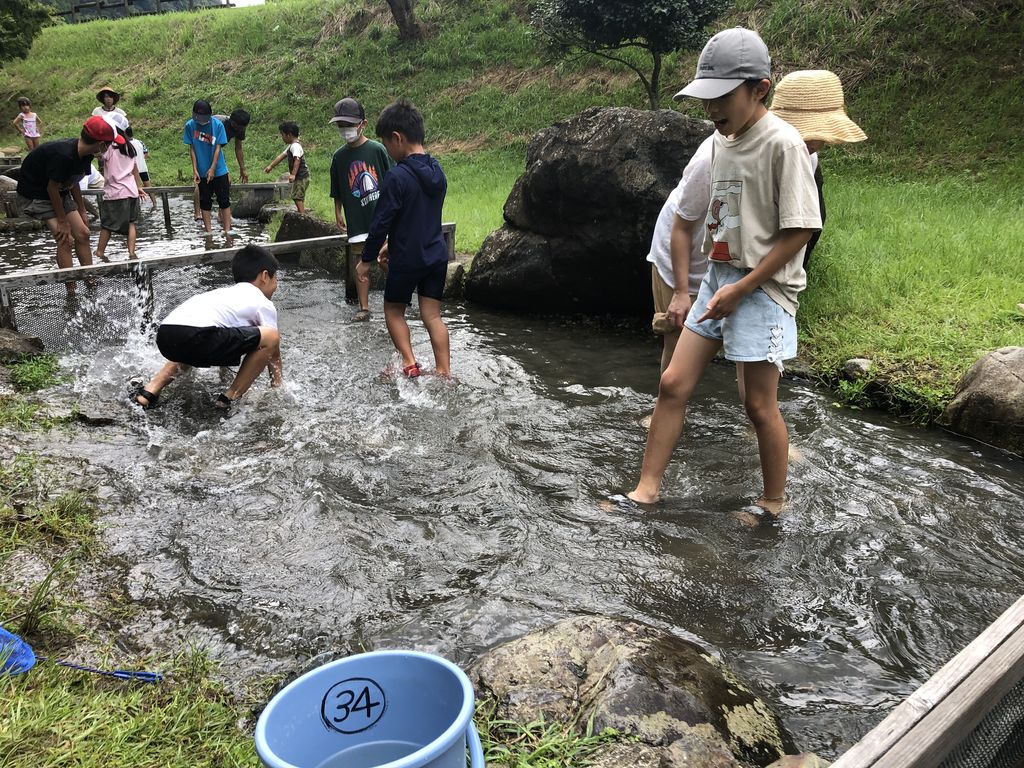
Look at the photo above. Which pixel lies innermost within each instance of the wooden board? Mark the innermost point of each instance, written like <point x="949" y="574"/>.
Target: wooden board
<point x="922" y="730"/>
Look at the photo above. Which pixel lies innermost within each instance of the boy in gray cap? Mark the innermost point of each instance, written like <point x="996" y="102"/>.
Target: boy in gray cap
<point x="764" y="208"/>
<point x="357" y="170"/>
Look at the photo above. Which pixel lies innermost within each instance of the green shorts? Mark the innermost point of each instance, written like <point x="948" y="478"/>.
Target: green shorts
<point x="299" y="188"/>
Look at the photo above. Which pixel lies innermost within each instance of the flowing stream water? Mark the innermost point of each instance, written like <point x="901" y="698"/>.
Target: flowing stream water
<point x="351" y="510"/>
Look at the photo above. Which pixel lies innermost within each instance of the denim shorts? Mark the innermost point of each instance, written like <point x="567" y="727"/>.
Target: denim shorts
<point x="759" y="329"/>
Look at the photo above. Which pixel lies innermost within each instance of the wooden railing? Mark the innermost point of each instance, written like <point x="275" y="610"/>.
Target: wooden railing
<point x="923" y="730"/>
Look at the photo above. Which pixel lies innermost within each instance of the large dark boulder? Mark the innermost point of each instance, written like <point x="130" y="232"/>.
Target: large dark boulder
<point x="578" y="222"/>
<point x="637" y="679"/>
<point x="299" y="226"/>
<point x="989" y="402"/>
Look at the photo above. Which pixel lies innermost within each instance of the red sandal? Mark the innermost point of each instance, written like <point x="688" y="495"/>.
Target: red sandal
<point x="412" y="371"/>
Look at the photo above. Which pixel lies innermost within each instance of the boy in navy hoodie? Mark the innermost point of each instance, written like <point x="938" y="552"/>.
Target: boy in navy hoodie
<point x="408" y="215"/>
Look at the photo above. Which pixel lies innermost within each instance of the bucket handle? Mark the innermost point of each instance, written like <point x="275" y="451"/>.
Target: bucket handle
<point x="476" y="749"/>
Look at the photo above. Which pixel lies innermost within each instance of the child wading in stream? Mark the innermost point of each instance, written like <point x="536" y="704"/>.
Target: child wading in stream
<point x="408" y="214"/>
<point x="219" y="327"/>
<point x="764" y="208"/>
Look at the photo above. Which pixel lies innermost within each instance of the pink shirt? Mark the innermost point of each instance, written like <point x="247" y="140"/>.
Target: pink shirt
<point x="117" y="171"/>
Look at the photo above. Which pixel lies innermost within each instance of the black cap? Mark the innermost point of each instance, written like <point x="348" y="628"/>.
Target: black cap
<point x="348" y="111"/>
<point x="202" y="107"/>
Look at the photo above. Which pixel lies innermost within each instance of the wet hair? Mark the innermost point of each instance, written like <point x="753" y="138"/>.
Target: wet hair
<point x="401" y="117"/>
<point x="240" y="118"/>
<point x="753" y="84"/>
<point x="24" y="102"/>
<point x="250" y="261"/>
<point x="289" y="128"/>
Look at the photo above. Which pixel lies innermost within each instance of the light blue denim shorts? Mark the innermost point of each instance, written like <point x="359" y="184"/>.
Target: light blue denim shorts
<point x="759" y="329"/>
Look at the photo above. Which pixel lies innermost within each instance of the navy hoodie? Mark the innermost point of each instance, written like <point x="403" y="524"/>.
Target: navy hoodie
<point x="408" y="214"/>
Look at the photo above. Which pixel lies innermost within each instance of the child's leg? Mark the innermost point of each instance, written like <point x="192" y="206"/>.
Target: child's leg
<point x="398" y="330"/>
<point x="669" y="341"/>
<point x="761" y="381"/>
<point x="254" y="363"/>
<point x="363" y="294"/>
<point x="300" y="206"/>
<point x="162" y="378"/>
<point x="131" y="241"/>
<point x="206" y="221"/>
<point x="430" y="314"/>
<point x="101" y="246"/>
<point x="225" y="218"/>
<point x="196" y="213"/>
<point x="692" y="354"/>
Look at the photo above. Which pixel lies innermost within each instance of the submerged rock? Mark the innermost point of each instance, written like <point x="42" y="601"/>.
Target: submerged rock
<point x="989" y="402"/>
<point x="578" y="222"/>
<point x="637" y="679"/>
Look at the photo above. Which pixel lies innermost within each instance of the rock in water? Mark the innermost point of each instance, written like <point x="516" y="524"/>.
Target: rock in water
<point x="578" y="222"/>
<point x="989" y="402"/>
<point x="637" y="679"/>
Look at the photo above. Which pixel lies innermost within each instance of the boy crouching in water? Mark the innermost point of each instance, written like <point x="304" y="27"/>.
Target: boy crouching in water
<point x="408" y="214"/>
<point x="764" y="208"/>
<point x="219" y="327"/>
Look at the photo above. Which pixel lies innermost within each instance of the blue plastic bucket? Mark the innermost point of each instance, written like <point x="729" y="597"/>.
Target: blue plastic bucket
<point x="386" y="709"/>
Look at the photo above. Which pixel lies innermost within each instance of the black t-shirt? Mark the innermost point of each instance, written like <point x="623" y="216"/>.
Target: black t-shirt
<point x="52" y="161"/>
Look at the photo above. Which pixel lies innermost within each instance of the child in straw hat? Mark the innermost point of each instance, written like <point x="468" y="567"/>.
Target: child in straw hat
<point x="812" y="102"/>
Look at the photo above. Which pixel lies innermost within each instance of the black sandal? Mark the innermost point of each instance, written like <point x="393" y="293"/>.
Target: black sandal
<point x="223" y="402"/>
<point x="151" y="398"/>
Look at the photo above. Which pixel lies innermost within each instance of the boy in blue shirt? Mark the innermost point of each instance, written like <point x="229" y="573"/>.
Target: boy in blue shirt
<point x="408" y="215"/>
<point x="205" y="137"/>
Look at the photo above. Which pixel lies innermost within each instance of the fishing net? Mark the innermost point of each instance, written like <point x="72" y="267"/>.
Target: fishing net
<point x="998" y="741"/>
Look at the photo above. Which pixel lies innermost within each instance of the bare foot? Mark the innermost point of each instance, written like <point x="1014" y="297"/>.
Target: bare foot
<point x="773" y="506"/>
<point x="642" y="498"/>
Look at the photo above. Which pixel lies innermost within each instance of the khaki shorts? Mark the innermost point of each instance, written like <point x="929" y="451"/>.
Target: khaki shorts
<point x="299" y="188"/>
<point x="662" y="293"/>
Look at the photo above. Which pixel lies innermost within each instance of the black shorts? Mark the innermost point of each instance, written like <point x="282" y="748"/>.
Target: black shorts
<point x="426" y="281"/>
<point x="206" y="347"/>
<point x="219" y="186"/>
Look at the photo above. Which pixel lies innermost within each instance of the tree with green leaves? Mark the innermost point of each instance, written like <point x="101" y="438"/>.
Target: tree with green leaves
<point x="20" y="22"/>
<point x="608" y="28"/>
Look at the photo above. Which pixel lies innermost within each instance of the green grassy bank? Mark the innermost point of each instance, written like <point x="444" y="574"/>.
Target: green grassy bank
<point x="920" y="266"/>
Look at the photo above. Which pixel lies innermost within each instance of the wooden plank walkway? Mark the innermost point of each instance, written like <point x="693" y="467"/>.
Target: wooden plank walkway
<point x="925" y="728"/>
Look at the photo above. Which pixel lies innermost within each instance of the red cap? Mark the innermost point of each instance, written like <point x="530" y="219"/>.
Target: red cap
<point x="99" y="129"/>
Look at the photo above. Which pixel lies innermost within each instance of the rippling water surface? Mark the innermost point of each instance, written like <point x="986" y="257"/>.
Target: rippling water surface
<point x="352" y="510"/>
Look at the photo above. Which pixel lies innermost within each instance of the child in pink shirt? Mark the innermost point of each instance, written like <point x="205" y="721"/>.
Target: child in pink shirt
<point x="122" y="188"/>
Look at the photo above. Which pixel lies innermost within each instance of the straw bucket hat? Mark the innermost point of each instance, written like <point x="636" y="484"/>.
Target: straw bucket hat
<point x="812" y="102"/>
<point x="111" y="91"/>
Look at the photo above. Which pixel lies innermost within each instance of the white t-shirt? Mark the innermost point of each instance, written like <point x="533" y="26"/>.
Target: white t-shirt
<point x="689" y="200"/>
<point x="237" y="306"/>
<point x="140" y="156"/>
<point x="761" y="183"/>
<point x="101" y="112"/>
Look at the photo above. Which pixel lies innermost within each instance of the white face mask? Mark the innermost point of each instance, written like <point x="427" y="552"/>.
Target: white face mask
<point x="348" y="132"/>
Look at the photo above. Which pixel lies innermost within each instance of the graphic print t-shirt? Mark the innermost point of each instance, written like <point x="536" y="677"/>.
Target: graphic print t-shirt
<point x="204" y="139"/>
<point x="356" y="176"/>
<point x="761" y="183"/>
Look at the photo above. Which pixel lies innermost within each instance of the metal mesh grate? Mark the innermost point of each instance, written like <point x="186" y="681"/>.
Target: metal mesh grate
<point x="998" y="741"/>
<point x="116" y="307"/>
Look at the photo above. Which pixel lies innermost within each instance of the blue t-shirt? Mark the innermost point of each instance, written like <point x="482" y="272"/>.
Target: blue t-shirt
<point x="204" y="139"/>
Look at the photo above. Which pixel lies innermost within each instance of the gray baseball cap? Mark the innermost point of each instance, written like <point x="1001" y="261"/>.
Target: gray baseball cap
<point x="729" y="59"/>
<point x="348" y="111"/>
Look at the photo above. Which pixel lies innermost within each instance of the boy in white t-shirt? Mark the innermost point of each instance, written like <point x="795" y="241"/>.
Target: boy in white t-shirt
<point x="219" y="327"/>
<point x="298" y="173"/>
<point x="677" y="255"/>
<point x="761" y="178"/>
